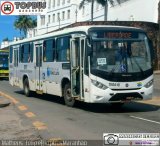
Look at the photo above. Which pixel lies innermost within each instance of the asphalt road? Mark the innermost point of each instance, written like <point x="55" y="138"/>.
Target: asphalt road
<point x="87" y="121"/>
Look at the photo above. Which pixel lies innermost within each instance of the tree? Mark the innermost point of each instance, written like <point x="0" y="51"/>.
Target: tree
<point x="104" y="3"/>
<point x="24" y="23"/>
<point x="5" y="39"/>
<point x="92" y="6"/>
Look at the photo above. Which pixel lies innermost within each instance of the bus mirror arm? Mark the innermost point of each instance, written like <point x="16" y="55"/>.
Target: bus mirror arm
<point x="89" y="65"/>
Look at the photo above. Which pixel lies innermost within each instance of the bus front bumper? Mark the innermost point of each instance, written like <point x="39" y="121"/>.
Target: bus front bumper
<point x="110" y="96"/>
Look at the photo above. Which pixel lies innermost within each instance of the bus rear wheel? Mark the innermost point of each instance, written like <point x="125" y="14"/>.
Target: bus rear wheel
<point x="68" y="99"/>
<point x="26" y="88"/>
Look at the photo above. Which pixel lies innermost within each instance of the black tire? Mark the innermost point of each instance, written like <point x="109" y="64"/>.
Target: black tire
<point x="26" y="88"/>
<point x="69" y="101"/>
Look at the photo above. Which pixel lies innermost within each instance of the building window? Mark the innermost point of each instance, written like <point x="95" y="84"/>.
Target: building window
<point x="49" y="4"/>
<point x="58" y="2"/>
<point x="68" y="15"/>
<point x="42" y="20"/>
<point x="53" y="18"/>
<point x="49" y="19"/>
<point x="49" y="50"/>
<point x="63" y="2"/>
<point x="97" y="6"/>
<point x="68" y="1"/>
<point x="83" y="10"/>
<point x="53" y="4"/>
<point x="58" y="17"/>
<point x="63" y="15"/>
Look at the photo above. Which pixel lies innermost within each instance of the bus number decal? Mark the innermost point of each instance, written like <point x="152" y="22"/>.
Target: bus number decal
<point x="114" y="84"/>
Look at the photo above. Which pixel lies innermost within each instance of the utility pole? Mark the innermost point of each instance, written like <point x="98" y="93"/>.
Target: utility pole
<point x="106" y="10"/>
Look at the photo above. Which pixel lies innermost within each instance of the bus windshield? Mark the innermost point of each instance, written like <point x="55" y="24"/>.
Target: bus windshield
<point x="3" y="61"/>
<point x="121" y="55"/>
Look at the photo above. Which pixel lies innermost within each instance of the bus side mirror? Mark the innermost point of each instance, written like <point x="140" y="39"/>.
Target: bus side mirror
<point x="152" y="51"/>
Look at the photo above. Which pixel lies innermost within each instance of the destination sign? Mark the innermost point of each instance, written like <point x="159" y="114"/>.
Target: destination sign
<point x="115" y="34"/>
<point x="118" y="35"/>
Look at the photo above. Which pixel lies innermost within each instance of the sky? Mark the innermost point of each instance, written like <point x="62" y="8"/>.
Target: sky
<point x="7" y="28"/>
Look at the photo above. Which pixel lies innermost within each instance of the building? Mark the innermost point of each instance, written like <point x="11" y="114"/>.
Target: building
<point x="64" y="12"/>
<point x="4" y="44"/>
<point x="59" y="14"/>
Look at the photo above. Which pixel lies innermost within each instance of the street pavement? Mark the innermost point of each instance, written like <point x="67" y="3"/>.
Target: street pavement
<point x="85" y="121"/>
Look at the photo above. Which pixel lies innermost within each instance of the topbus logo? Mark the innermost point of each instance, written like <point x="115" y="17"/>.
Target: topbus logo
<point x="23" y="8"/>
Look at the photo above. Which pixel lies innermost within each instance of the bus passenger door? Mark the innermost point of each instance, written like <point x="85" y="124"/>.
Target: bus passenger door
<point x="76" y="57"/>
<point x="15" y="65"/>
<point x="38" y="69"/>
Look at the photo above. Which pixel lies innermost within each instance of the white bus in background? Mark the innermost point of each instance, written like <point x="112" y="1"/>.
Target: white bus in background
<point x="94" y="64"/>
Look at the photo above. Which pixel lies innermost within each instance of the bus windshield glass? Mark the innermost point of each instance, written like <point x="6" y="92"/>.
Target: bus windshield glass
<point x="3" y="60"/>
<point x="120" y="53"/>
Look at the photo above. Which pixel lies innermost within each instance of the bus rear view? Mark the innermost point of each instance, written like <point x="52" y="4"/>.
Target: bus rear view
<point x="120" y="65"/>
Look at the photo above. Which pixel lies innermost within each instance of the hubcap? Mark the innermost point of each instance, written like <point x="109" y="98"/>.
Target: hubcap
<point x="68" y="95"/>
<point x="26" y="89"/>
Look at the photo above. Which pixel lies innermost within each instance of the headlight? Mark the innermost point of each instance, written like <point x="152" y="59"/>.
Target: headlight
<point x="99" y="85"/>
<point x="150" y="83"/>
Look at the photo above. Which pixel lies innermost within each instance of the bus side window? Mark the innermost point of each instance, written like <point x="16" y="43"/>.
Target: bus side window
<point x="63" y="49"/>
<point x="49" y="50"/>
<point x="22" y="54"/>
<point x="30" y="52"/>
<point x="44" y="51"/>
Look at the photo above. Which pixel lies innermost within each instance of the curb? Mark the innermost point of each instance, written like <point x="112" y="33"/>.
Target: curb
<point x="157" y="72"/>
<point x="4" y="102"/>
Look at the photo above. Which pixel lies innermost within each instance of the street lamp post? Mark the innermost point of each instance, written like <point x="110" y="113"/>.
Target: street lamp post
<point x="47" y="27"/>
<point x="106" y="10"/>
<point x="59" y="21"/>
<point x="76" y="12"/>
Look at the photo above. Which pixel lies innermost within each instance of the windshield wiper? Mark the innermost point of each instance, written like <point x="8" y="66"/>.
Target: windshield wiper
<point x="142" y="72"/>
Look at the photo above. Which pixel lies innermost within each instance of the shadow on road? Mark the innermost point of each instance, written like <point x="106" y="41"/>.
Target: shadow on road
<point x="98" y="108"/>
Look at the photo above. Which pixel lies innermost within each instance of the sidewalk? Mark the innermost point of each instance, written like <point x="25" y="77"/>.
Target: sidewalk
<point x="14" y="126"/>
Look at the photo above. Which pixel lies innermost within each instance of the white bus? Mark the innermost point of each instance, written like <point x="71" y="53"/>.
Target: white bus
<point x="94" y="64"/>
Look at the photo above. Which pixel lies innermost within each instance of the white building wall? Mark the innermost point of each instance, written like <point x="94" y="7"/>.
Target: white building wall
<point x="131" y="10"/>
<point x="68" y="9"/>
<point x="136" y="10"/>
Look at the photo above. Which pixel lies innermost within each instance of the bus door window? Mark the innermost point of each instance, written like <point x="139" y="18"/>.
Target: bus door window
<point x="38" y="56"/>
<point x="77" y="71"/>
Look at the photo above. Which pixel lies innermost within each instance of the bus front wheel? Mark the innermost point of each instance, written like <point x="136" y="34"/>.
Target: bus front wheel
<point x="68" y="99"/>
<point x="26" y="87"/>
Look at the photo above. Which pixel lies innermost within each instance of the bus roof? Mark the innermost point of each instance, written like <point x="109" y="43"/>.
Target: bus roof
<point x="67" y="30"/>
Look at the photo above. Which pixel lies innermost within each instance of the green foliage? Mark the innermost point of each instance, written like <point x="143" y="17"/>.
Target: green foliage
<point x="5" y="39"/>
<point x="24" y="23"/>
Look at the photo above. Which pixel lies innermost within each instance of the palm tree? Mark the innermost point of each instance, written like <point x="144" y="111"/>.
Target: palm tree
<point x="24" y="23"/>
<point x="92" y="6"/>
<point x="102" y="2"/>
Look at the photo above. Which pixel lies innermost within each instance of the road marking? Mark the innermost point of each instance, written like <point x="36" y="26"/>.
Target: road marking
<point x="145" y="119"/>
<point x="9" y="97"/>
<point x="22" y="108"/>
<point x="30" y="114"/>
<point x="39" y="125"/>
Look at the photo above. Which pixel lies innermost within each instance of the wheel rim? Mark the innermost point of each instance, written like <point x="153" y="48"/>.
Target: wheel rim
<point x="68" y="95"/>
<point x="26" y="89"/>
